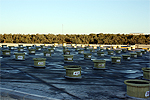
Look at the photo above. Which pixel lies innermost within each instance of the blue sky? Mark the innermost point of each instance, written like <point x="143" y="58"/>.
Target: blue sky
<point x="77" y="16"/>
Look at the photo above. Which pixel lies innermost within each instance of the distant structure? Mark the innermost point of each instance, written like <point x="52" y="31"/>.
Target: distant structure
<point x="136" y="33"/>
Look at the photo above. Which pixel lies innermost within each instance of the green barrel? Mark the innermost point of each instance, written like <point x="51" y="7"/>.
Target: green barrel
<point x="86" y="48"/>
<point x="92" y="50"/>
<point x="100" y="53"/>
<point x="68" y="58"/>
<point x="20" y="48"/>
<point x="4" y="46"/>
<point x="73" y="71"/>
<point x="38" y="48"/>
<point x="133" y="55"/>
<point x="20" y="45"/>
<point x="47" y="53"/>
<point x="64" y="47"/>
<point x="139" y="53"/>
<point x="118" y="51"/>
<point x="28" y="47"/>
<point x="31" y="51"/>
<point x="42" y="46"/>
<point x="146" y="73"/>
<point x="138" y="88"/>
<point x="51" y="49"/>
<point x="6" y="52"/>
<point x="39" y="62"/>
<point x="116" y="59"/>
<point x="101" y="50"/>
<point x="143" y="52"/>
<point x="11" y="47"/>
<point x="110" y="52"/>
<point x="19" y="56"/>
<point x="124" y="50"/>
<point x="77" y="49"/>
<point x="126" y="57"/>
<point x="87" y="55"/>
<point x="80" y="51"/>
<point x="66" y="52"/>
<point x="99" y="64"/>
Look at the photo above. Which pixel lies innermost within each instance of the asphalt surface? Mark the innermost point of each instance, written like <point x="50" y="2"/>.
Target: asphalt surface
<point x="21" y="81"/>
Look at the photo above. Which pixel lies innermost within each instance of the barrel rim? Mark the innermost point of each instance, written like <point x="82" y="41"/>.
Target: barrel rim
<point x="136" y="80"/>
<point x="39" y="59"/>
<point x="69" y="67"/>
<point x="145" y="69"/>
<point x="99" y="61"/>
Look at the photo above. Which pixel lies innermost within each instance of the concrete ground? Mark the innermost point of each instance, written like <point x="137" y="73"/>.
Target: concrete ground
<point x="21" y="81"/>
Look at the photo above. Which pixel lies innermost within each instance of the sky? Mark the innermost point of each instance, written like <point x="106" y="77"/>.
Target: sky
<point x="74" y="16"/>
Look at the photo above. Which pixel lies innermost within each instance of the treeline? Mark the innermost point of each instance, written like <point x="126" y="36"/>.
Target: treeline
<point x="76" y="39"/>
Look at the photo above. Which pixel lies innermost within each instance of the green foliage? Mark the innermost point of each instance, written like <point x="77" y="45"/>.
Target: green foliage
<point x="76" y="39"/>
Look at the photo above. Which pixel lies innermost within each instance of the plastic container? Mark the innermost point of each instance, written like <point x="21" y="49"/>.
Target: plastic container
<point x="20" y="45"/>
<point x="6" y="52"/>
<point x="101" y="50"/>
<point x="68" y="58"/>
<point x="143" y="52"/>
<point x="124" y="50"/>
<point x="118" y="51"/>
<point x="19" y="56"/>
<point x="31" y="51"/>
<point x="146" y="73"/>
<point x="20" y="49"/>
<point x="28" y="47"/>
<point x="73" y="71"/>
<point x="11" y="47"/>
<point x="80" y="51"/>
<point x="110" y="52"/>
<point x="137" y="88"/>
<point x="99" y="64"/>
<point x="39" y="62"/>
<point x="42" y="46"/>
<point x="66" y="52"/>
<point x="51" y="50"/>
<point x="4" y="46"/>
<point x="47" y="53"/>
<point x="133" y="55"/>
<point x="100" y="53"/>
<point x="87" y="55"/>
<point x="92" y="50"/>
<point x="38" y="48"/>
<point x="126" y="57"/>
<point x="86" y="48"/>
<point x="116" y="59"/>
<point x="139" y="53"/>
